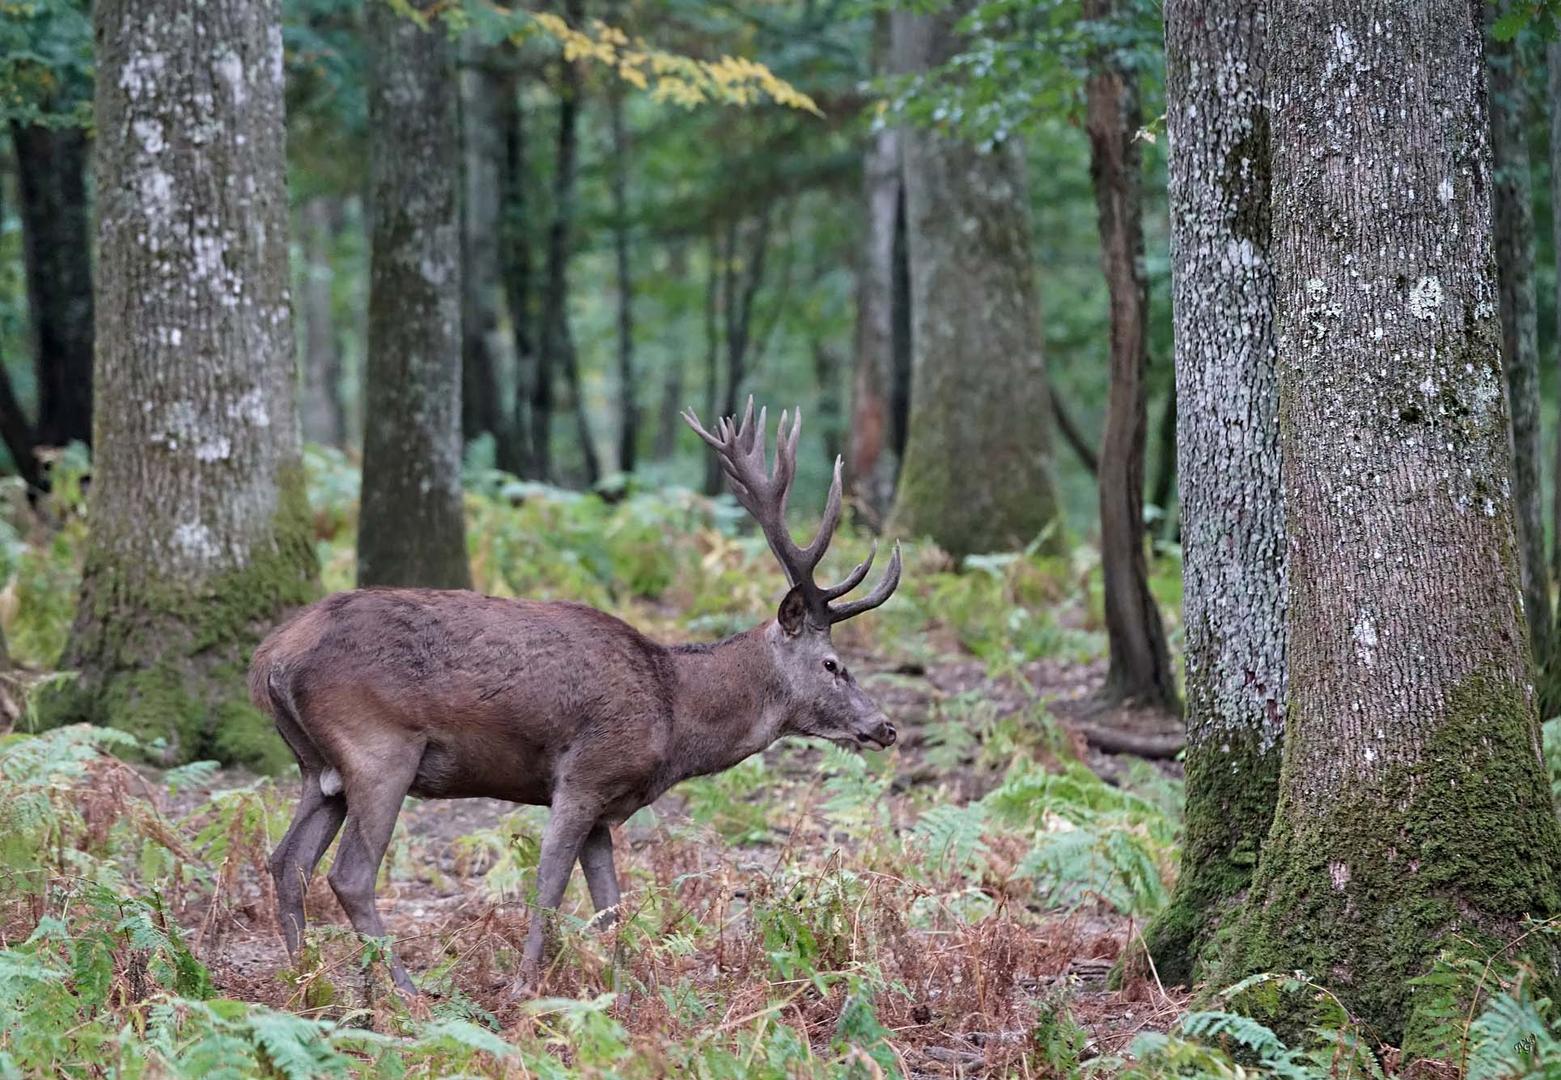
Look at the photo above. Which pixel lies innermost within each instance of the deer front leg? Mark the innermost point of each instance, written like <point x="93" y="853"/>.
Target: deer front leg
<point x="566" y="831"/>
<point x="601" y="877"/>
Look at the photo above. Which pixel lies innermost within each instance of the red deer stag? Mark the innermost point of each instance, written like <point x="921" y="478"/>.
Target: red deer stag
<point x="382" y="693"/>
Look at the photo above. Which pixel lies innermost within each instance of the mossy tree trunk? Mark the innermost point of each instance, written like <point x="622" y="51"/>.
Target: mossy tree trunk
<point x="1139" y="666"/>
<point x="1512" y="205"/>
<point x="200" y="534"/>
<point x="411" y="530"/>
<point x="51" y="175"/>
<point x="1233" y="533"/>
<point x="1413" y="808"/>
<point x="976" y="475"/>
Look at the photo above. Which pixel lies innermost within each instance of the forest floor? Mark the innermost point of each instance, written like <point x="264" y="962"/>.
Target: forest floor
<point x="968" y="994"/>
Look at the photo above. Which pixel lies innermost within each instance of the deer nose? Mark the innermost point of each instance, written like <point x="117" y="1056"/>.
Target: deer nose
<point x="884" y="734"/>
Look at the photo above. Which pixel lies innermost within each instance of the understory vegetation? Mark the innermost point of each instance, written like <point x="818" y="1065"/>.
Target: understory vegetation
<point x="955" y="907"/>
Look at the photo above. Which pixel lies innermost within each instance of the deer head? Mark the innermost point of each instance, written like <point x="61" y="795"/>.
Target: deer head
<point x="825" y="700"/>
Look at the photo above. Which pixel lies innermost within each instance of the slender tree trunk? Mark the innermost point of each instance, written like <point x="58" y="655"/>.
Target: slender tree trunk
<point x="519" y="292"/>
<point x="1165" y="462"/>
<point x="411" y="529"/>
<point x="976" y="474"/>
<point x="744" y="276"/>
<point x="201" y="535"/>
<point x="1414" y="815"/>
<point x="17" y="434"/>
<point x="51" y="174"/>
<point x="871" y="462"/>
<point x="1511" y="202"/>
<point x="628" y="402"/>
<point x="482" y="160"/>
<point x="904" y="355"/>
<point x="558" y="350"/>
<point x="1139" y="667"/>
<point x="1227" y="407"/>
<point x="826" y="375"/>
<point x="720" y="258"/>
<point x="1072" y="433"/>
<point x="323" y="414"/>
<point x="672" y="402"/>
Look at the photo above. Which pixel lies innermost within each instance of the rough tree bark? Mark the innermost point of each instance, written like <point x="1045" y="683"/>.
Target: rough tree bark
<point x="871" y="462"/>
<point x="201" y="535"/>
<point x="51" y="181"/>
<point x="1414" y="813"/>
<point x="628" y="390"/>
<point x="411" y="529"/>
<point x="482" y="154"/>
<point x="1139" y="663"/>
<point x="323" y="413"/>
<point x="976" y="474"/>
<point x="1511" y="202"/>
<point x="1233" y="531"/>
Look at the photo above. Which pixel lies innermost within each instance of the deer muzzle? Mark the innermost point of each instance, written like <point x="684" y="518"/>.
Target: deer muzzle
<point x="880" y="735"/>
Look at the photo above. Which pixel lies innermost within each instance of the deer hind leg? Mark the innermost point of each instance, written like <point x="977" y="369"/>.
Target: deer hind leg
<point x="601" y="877"/>
<point x="373" y="798"/>
<point x="315" y="823"/>
<point x="314" y="826"/>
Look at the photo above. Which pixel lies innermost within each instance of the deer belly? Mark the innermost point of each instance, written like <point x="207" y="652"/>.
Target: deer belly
<point x="453" y="772"/>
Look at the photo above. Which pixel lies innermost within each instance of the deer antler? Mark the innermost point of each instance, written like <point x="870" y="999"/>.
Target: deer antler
<point x="763" y="492"/>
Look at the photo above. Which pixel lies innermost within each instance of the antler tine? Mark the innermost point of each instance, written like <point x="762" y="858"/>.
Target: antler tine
<point x="881" y="592"/>
<point x="691" y="418"/>
<point x="854" y="578"/>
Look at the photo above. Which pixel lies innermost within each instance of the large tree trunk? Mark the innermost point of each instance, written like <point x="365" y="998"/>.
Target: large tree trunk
<point x="515" y="268"/>
<point x="976" y="474"/>
<point x="323" y="413"/>
<point x="482" y="157"/>
<point x="628" y="401"/>
<point x="1233" y="534"/>
<point x="411" y="530"/>
<point x="1139" y="666"/>
<point x="1514" y="229"/>
<point x="871" y="461"/>
<point x="51" y="174"/>
<point x="201" y="535"/>
<point x="1414" y="814"/>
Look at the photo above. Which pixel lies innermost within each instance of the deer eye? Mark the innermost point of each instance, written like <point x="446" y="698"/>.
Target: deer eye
<point x="832" y="667"/>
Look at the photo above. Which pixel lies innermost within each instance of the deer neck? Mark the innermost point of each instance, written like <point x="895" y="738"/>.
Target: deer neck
<point x="728" y="704"/>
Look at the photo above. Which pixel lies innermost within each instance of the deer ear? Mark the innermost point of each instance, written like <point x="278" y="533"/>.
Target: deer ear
<point x="792" y="611"/>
